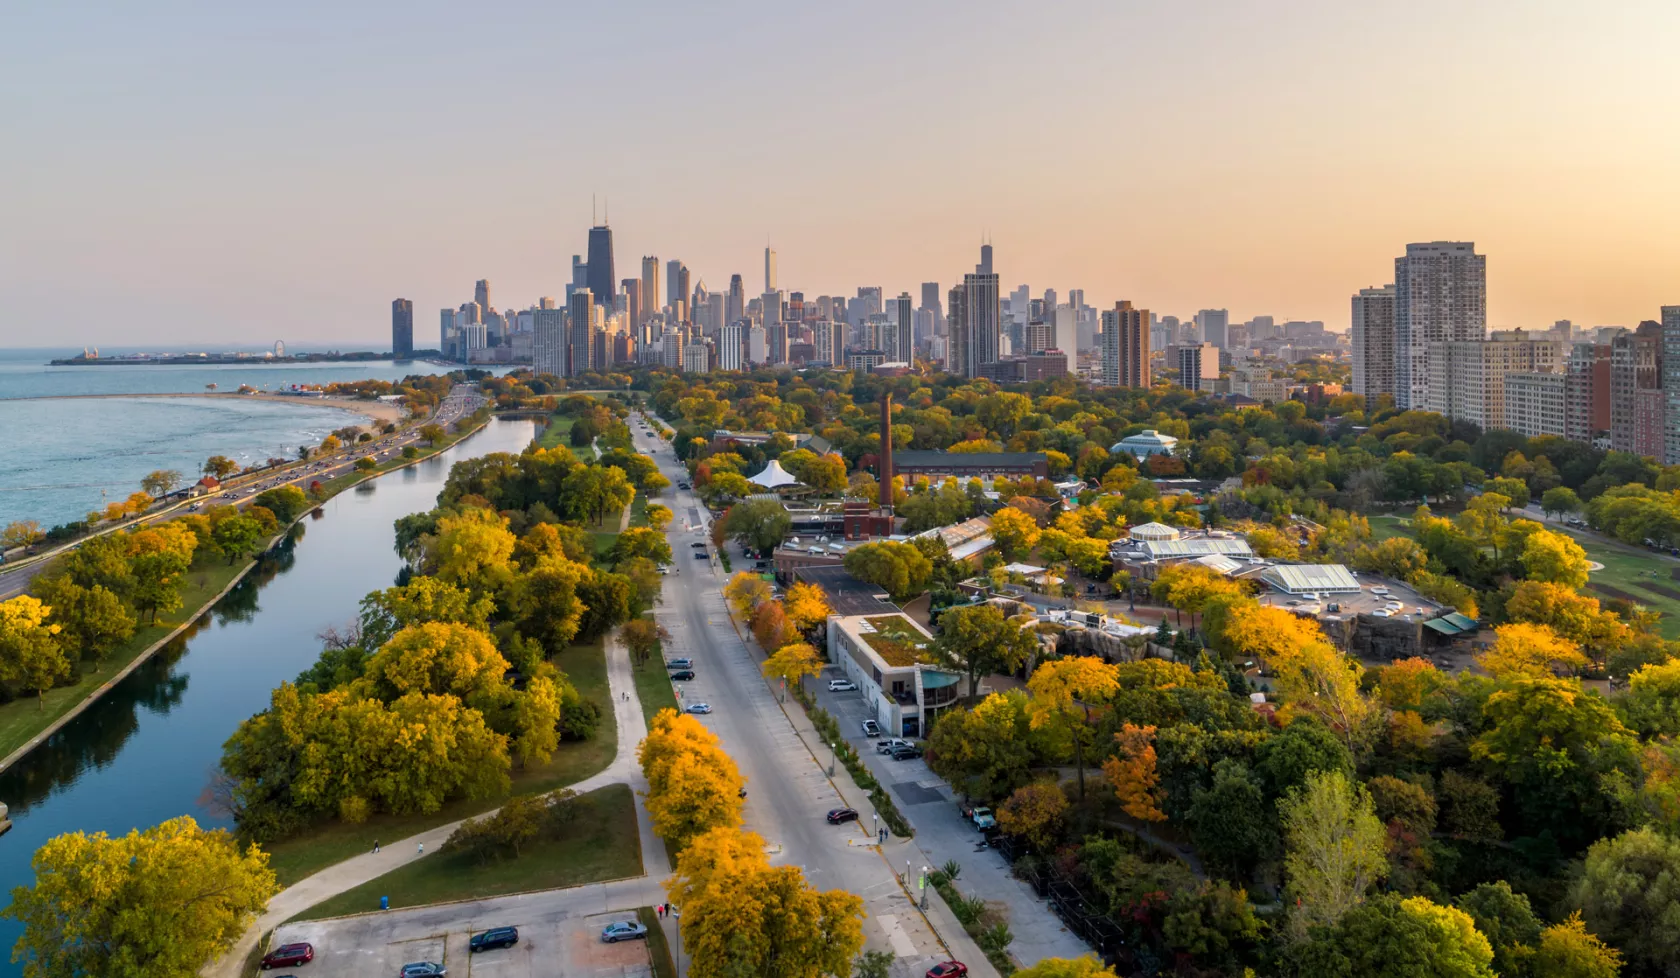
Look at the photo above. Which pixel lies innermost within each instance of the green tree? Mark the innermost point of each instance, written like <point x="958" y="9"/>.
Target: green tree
<point x="758" y="523"/>
<point x="1334" y="850"/>
<point x="1628" y="893"/>
<point x="237" y="537"/>
<point x="976" y="639"/>
<point x="220" y="466"/>
<point x="432" y="433"/>
<point x="92" y="621"/>
<point x="1555" y="559"/>
<point x="161" y="482"/>
<point x="1231" y="825"/>
<point x="1391" y="937"/>
<point x="986" y="752"/>
<point x="152" y="904"/>
<point x="899" y="568"/>
<point x="1508" y="922"/>
<point x="1560" y="500"/>
<point x="30" y="653"/>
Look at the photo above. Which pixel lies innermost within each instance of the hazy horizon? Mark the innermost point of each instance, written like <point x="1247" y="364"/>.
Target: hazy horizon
<point x="290" y="170"/>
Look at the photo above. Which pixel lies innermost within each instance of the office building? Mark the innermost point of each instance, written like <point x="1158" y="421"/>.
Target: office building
<point x="770" y="270"/>
<point x="650" y="288"/>
<point x="1038" y="336"/>
<point x="1213" y="325"/>
<point x="695" y="359"/>
<point x="602" y="283"/>
<point x="671" y="348"/>
<point x="579" y="333"/>
<point x="580" y="275"/>
<point x="402" y="329"/>
<point x="1637" y="406"/>
<point x="481" y="294"/>
<point x="776" y="342"/>
<point x="731" y="340"/>
<point x="1125" y="346"/>
<point x="1586" y="392"/>
<point x="957" y="361"/>
<point x="1467" y="378"/>
<point x="548" y="341"/>
<point x="982" y="313"/>
<point x="1372" y="335"/>
<point x="676" y="287"/>
<point x="1440" y="297"/>
<point x="770" y="304"/>
<point x="1043" y="365"/>
<point x="905" y="317"/>
<point x="1536" y="403"/>
<point x="1198" y="364"/>
<point x="829" y="338"/>
<point x="758" y="347"/>
<point x="1671" y="383"/>
<point x="446" y="333"/>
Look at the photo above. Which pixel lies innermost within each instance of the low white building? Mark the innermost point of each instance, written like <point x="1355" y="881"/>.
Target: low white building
<point x="1146" y="443"/>
<point x="886" y="656"/>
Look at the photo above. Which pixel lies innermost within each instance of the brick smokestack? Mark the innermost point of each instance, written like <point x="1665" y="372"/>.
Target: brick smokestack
<point x="886" y="451"/>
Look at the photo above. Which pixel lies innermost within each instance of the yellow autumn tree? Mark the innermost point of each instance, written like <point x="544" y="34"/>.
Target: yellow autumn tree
<point x="693" y="786"/>
<point x="1034" y="811"/>
<point x="1526" y="650"/>
<point x="1016" y="533"/>
<point x="1133" y="774"/>
<point x="792" y="663"/>
<point x="473" y="549"/>
<point x="1318" y="679"/>
<point x="744" y="591"/>
<point x="1256" y="631"/>
<point x="1064" y="693"/>
<point x="31" y="654"/>
<point x="805" y="606"/>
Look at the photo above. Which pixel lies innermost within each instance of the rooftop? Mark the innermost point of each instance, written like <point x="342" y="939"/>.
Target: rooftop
<point x="1310" y="578"/>
<point x="846" y="594"/>
<point x="1196" y="547"/>
<point x="933" y="459"/>
<point x="895" y="639"/>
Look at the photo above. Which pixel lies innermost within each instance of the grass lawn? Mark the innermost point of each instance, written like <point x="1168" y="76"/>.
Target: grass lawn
<point x="659" y="950"/>
<point x="601" y="843"/>
<point x="558" y="432"/>
<point x="654" y="687"/>
<point x="1639" y="575"/>
<point x="638" y="511"/>
<point x="1385" y="527"/>
<point x="333" y="842"/>
<point x="23" y="718"/>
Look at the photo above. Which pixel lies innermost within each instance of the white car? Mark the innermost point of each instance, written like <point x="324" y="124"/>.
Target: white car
<point x="841" y="685"/>
<point x="699" y="707"/>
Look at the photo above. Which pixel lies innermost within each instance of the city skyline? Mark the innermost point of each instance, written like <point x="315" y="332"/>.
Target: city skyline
<point x="279" y="161"/>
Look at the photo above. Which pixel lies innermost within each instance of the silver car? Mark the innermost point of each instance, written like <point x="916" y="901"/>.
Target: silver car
<point x="623" y="930"/>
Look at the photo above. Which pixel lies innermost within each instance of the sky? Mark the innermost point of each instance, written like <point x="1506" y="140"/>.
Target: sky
<point x="200" y="172"/>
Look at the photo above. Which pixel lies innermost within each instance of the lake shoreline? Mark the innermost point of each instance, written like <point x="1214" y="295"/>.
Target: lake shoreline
<point x="374" y="410"/>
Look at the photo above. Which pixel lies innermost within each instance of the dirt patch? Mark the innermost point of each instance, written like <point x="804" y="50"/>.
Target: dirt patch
<point x="628" y="959"/>
<point x="1661" y="589"/>
<point x="1613" y="592"/>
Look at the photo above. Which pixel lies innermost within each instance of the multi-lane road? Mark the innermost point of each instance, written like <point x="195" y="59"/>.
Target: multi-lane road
<point x="462" y="401"/>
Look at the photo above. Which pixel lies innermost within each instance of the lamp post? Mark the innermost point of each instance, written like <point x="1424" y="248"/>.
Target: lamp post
<point x="924" y="887"/>
<point x="833" y="758"/>
<point x="877" y="817"/>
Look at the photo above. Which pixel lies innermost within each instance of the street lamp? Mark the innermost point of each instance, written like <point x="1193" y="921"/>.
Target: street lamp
<point x="833" y="757"/>
<point x="924" y="887"/>
<point x="877" y="817"/>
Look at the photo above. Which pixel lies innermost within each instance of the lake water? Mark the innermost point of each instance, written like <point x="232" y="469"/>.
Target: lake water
<point x="63" y="458"/>
<point x="143" y="753"/>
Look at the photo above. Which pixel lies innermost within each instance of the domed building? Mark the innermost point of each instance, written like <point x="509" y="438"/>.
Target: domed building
<point x="1146" y="443"/>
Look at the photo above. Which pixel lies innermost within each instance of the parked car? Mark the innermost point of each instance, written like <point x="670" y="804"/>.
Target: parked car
<point x="493" y="938"/>
<point x="982" y="818"/>
<point x="683" y="663"/>
<point x="289" y="954"/>
<point x="841" y="685"/>
<point x="623" y="930"/>
<point x="422" y="969"/>
<point x="698" y="544"/>
<point x="948" y="969"/>
<point x="871" y="728"/>
<point x="699" y="707"/>
<point x="905" y="752"/>
<point x="701" y="555"/>
<point x="682" y="485"/>
<point x="682" y="675"/>
<point x="838" y="815"/>
<point x="890" y="744"/>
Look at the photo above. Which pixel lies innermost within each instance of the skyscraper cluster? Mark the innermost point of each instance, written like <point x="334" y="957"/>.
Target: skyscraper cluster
<point x="1422" y="343"/>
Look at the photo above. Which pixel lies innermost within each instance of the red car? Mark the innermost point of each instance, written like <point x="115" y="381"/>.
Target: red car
<point x="288" y="954"/>
<point x="948" y="969"/>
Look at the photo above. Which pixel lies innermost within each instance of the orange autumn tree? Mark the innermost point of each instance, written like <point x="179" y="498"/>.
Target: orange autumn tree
<point x="1133" y="774"/>
<point x="805" y="606"/>
<point x="1034" y="811"/>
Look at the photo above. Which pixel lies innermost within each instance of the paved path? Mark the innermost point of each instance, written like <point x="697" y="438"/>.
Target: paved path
<point x="329" y="882"/>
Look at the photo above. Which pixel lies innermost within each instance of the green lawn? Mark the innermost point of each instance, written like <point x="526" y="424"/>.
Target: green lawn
<point x="558" y="433"/>
<point x="333" y="842"/>
<point x="1385" y="527"/>
<point x="602" y="843"/>
<point x="659" y="950"/>
<point x="23" y="718"/>
<point x="1629" y="573"/>
<point x="654" y="688"/>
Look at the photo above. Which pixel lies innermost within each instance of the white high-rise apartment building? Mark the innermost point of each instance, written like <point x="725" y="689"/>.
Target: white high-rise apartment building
<point x="1440" y="297"/>
<point x="730" y="341"/>
<point x="1213" y="324"/>
<point x="1373" y="343"/>
<point x="758" y="347"/>
<point x="548" y="341"/>
<point x="1467" y="378"/>
<point x="695" y="358"/>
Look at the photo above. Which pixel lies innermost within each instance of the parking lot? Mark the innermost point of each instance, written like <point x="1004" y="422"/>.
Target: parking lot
<point x="554" y="940"/>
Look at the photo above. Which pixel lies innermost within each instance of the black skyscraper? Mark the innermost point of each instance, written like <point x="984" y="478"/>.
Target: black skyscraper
<point x="601" y="281"/>
<point x="402" y="329"/>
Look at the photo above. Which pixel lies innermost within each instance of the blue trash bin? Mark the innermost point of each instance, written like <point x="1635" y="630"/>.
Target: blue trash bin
<point x="384" y="903"/>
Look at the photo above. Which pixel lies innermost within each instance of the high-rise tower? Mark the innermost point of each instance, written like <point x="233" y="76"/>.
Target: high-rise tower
<point x="1372" y="334"/>
<point x="769" y="269"/>
<point x="402" y="329"/>
<point x="982" y="314"/>
<point x="1440" y="296"/>
<point x="906" y="351"/>
<point x="481" y="295"/>
<point x="580" y="333"/>
<point x="602" y="283"/>
<point x="1125" y="346"/>
<point x="650" y="287"/>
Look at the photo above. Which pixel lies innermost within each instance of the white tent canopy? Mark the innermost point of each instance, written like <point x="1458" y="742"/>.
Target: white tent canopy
<point x="773" y="477"/>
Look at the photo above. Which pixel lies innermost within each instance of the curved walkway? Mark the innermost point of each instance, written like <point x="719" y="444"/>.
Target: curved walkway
<point x="353" y="872"/>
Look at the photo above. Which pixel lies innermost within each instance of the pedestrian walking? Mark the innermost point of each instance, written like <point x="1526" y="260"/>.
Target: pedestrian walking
<point x="376" y="847"/>
<point x="420" y="850"/>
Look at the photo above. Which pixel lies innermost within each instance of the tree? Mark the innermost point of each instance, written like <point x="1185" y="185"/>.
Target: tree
<point x="1567" y="951"/>
<point x="658" y="517"/>
<point x="874" y="964"/>
<point x="1133" y="774"/>
<point x="1531" y="651"/>
<point x="986" y="752"/>
<point x="642" y="636"/>
<point x="220" y="466"/>
<point x="436" y="657"/>
<point x="1230" y="822"/>
<point x="1085" y="967"/>
<point x="1628" y="893"/>
<point x="759" y="524"/>
<point x="693" y="786"/>
<point x="745" y="592"/>
<point x="1391" y="937"/>
<point x="1397" y="558"/>
<point x="1318" y="679"/>
<point x="1034" y="811"/>
<point x="161" y="482"/>
<point x="978" y="639"/>
<point x="30" y="653"/>
<point x="806" y="606"/>
<point x="1571" y="615"/>
<point x="1016" y="533"/>
<point x="899" y="568"/>
<point x="741" y="916"/>
<point x="1189" y="587"/>
<point x="1554" y="558"/>
<point x="792" y="663"/>
<point x="20" y="533"/>
<point x="1334" y="849"/>
<point x="1508" y="922"/>
<point x="92" y="621"/>
<point x="471" y="550"/>
<point x="432" y="433"/>
<point x="236" y="537"/>
<point x="641" y="541"/>
<point x="1063" y="694"/>
<point x="158" y="903"/>
<point x="1255" y="631"/>
<point x="1560" y="500"/>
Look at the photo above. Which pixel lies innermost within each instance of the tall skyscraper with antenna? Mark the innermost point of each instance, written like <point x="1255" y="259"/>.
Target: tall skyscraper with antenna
<point x="769" y="269"/>
<point x="601" y="280"/>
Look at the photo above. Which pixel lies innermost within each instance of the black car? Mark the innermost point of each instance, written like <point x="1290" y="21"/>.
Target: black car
<point x="698" y="545"/>
<point x="838" y="815"/>
<point x="906" y="752"/>
<point x="701" y="555"/>
<point x="682" y="675"/>
<point x="494" y="938"/>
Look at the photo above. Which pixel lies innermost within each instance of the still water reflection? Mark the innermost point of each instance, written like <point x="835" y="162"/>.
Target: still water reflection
<point x="143" y="753"/>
